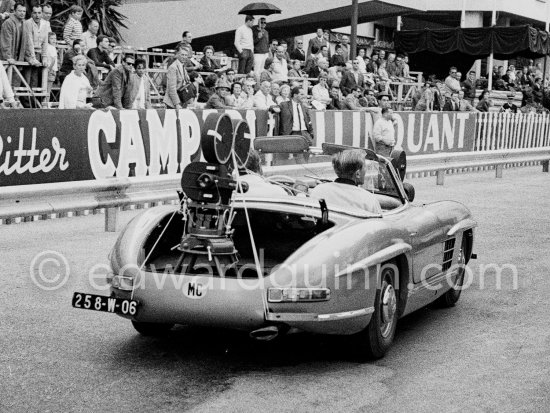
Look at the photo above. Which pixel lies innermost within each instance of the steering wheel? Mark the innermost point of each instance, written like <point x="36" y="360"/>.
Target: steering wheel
<point x="288" y="183"/>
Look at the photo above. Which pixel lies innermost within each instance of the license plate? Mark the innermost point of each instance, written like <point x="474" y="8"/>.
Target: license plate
<point x="105" y="304"/>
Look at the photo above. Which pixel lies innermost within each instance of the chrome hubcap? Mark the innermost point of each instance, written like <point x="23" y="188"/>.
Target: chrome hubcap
<point x="389" y="307"/>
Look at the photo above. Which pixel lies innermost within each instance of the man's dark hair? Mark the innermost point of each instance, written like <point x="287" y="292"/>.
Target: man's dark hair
<point x="184" y="34"/>
<point x="248" y="18"/>
<point x="282" y="42"/>
<point x="211" y="80"/>
<point x="295" y="91"/>
<point x="128" y="55"/>
<point x="77" y="41"/>
<point x="100" y="38"/>
<point x="338" y="46"/>
<point x="192" y="75"/>
<point x="180" y="47"/>
<point x="140" y="62"/>
<point x="314" y="49"/>
<point x="19" y="3"/>
<point x="233" y="86"/>
<point x="254" y="162"/>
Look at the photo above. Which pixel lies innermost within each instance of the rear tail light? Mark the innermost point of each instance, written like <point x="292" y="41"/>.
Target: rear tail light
<point x="292" y="295"/>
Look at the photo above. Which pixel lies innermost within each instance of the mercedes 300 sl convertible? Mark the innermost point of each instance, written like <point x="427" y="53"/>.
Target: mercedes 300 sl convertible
<point x="292" y="263"/>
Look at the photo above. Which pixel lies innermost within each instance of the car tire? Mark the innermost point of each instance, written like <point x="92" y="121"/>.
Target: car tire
<point x="450" y="298"/>
<point x="152" y="329"/>
<point x="376" y="339"/>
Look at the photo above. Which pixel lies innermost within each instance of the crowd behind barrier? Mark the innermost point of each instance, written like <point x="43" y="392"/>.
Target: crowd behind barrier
<point x="49" y="146"/>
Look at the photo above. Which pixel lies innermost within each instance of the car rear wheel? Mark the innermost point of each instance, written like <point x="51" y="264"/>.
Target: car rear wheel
<point x="152" y="329"/>
<point x="377" y="337"/>
<point x="450" y="298"/>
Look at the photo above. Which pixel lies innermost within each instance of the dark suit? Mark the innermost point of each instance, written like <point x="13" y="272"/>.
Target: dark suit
<point x="298" y="54"/>
<point x="115" y="90"/>
<point x="451" y="106"/>
<point x="316" y="42"/>
<point x="349" y="83"/>
<point x="336" y="104"/>
<point x="337" y="60"/>
<point x="286" y="120"/>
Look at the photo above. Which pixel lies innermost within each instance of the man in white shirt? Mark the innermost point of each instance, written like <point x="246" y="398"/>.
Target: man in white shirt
<point x="90" y="36"/>
<point x="383" y="132"/>
<point x="345" y="192"/>
<point x="45" y="27"/>
<point x="280" y="66"/>
<point x="244" y="43"/>
<point x="452" y="84"/>
<point x="263" y="99"/>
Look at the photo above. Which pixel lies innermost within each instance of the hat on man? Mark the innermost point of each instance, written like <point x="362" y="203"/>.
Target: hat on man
<point x="383" y="94"/>
<point x="222" y="83"/>
<point x="511" y="95"/>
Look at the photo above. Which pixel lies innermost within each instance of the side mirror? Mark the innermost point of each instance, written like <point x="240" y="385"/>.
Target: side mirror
<point x="398" y="159"/>
<point x="409" y="190"/>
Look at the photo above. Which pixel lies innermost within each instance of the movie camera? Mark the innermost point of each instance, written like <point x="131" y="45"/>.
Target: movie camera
<point x="207" y="189"/>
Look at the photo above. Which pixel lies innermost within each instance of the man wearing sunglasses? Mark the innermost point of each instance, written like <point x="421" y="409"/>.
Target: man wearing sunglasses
<point x="298" y="53"/>
<point x="115" y="91"/>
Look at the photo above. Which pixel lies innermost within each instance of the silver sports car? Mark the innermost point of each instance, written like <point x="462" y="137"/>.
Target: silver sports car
<point x="273" y="265"/>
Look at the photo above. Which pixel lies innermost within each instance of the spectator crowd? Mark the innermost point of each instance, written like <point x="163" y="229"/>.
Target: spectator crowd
<point x="268" y="73"/>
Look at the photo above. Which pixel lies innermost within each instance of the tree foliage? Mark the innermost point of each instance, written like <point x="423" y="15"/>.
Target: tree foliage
<point x="104" y="11"/>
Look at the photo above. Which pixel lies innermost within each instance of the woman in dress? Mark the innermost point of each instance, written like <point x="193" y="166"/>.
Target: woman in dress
<point x="76" y="87"/>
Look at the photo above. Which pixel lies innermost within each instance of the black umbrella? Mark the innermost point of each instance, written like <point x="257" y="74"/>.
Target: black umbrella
<point x="260" y="9"/>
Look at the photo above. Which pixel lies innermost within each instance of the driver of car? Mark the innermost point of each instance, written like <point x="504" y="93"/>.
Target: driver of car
<point x="345" y="191"/>
<point x="258" y="186"/>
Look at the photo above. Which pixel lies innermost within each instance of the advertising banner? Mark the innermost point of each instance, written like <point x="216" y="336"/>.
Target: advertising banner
<point x="416" y="132"/>
<point x="435" y="132"/>
<point x="43" y="146"/>
<point x="349" y="127"/>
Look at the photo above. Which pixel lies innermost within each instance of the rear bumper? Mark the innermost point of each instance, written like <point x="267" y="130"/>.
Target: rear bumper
<point x="197" y="300"/>
<point x="230" y="303"/>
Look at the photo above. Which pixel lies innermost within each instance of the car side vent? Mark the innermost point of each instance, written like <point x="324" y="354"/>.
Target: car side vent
<point x="448" y="253"/>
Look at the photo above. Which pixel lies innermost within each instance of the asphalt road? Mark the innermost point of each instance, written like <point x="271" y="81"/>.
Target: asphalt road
<point x="490" y="353"/>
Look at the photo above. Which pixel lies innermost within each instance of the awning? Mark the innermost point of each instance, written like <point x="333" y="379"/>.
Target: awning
<point x="434" y="50"/>
<point x="308" y="23"/>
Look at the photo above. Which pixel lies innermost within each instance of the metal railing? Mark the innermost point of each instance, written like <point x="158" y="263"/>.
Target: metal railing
<point x="112" y="194"/>
<point x="512" y="131"/>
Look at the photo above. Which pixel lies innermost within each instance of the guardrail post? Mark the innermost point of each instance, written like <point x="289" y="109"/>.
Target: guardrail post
<point x="440" y="174"/>
<point x="111" y="218"/>
<point x="545" y="165"/>
<point x="498" y="170"/>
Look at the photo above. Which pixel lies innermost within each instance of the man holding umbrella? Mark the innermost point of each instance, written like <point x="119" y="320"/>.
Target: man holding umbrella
<point x="252" y="43"/>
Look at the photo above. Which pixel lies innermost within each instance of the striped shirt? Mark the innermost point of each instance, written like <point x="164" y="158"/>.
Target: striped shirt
<point x="72" y="31"/>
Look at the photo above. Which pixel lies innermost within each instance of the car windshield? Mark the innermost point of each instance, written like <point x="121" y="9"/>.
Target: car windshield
<point x="379" y="180"/>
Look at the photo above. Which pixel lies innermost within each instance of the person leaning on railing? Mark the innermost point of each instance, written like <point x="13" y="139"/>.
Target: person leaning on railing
<point x="7" y="97"/>
<point x="76" y="87"/>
